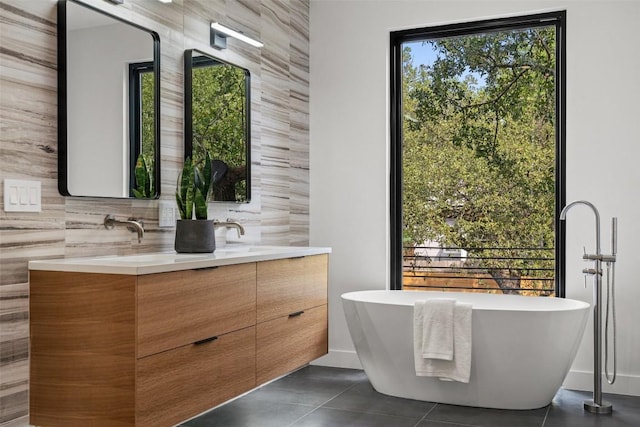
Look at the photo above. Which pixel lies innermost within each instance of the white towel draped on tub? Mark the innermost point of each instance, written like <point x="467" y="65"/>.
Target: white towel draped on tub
<point x="442" y="339"/>
<point x="437" y="327"/>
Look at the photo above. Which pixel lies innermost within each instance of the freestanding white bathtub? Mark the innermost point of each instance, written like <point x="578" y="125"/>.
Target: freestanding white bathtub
<point x="522" y="347"/>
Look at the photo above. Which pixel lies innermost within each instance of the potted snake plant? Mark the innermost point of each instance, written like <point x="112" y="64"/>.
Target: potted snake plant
<point x="194" y="235"/>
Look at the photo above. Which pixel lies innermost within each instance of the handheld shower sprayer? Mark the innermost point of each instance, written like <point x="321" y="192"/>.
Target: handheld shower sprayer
<point x="611" y="304"/>
<point x="614" y="236"/>
<point x="597" y="405"/>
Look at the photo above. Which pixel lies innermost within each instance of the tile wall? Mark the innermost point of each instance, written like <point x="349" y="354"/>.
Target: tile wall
<point x="67" y="227"/>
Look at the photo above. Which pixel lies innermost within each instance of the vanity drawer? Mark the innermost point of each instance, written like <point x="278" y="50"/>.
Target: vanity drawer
<point x="181" y="383"/>
<point x="179" y="308"/>
<point x="289" y="285"/>
<point x="288" y="342"/>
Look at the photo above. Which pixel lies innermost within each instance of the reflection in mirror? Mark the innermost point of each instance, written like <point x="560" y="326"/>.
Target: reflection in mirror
<point x="108" y="105"/>
<point x="217" y="120"/>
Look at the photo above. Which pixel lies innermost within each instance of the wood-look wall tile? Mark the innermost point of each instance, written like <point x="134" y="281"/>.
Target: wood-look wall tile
<point x="198" y="15"/>
<point x="167" y="15"/>
<point x="299" y="229"/>
<point x="25" y="238"/>
<point x="22" y="421"/>
<point x="274" y="227"/>
<point x="14" y="332"/>
<point x="14" y="299"/>
<point x="171" y="116"/>
<point x="14" y="394"/>
<point x="14" y="338"/>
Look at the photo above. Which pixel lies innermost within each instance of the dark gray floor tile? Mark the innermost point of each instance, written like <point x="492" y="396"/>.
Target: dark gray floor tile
<point x="567" y="411"/>
<point x="251" y="412"/>
<point x="311" y="395"/>
<point x="310" y="386"/>
<point x="487" y="417"/>
<point x="349" y="400"/>
<point x="363" y="398"/>
<point x="337" y="418"/>
<point x="335" y="374"/>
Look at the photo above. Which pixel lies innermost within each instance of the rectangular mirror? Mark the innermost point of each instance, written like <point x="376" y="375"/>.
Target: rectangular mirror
<point x="108" y="105"/>
<point x="217" y="120"/>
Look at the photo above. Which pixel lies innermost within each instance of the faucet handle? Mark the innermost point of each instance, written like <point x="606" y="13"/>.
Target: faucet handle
<point x="587" y="257"/>
<point x="109" y="222"/>
<point x="614" y="236"/>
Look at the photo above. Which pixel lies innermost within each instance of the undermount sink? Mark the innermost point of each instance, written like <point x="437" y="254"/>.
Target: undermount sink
<point x="155" y="258"/>
<point x="177" y="258"/>
<point x="243" y="249"/>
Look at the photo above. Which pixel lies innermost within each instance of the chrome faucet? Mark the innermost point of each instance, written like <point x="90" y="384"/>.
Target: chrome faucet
<point x="229" y="223"/>
<point x="597" y="405"/>
<point x="563" y="217"/>
<point x="133" y="225"/>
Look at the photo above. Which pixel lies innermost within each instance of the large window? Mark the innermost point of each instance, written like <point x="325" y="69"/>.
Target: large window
<point x="477" y="154"/>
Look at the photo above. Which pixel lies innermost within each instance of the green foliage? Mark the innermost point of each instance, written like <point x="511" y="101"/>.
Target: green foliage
<point x="147" y="112"/>
<point x="219" y="116"/>
<point x="144" y="164"/>
<point x="185" y="192"/>
<point x="144" y="178"/>
<point x="194" y="187"/>
<point x="479" y="147"/>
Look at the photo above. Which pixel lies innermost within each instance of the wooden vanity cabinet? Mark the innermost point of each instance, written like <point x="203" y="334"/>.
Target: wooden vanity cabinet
<point x="292" y="314"/>
<point x="157" y="349"/>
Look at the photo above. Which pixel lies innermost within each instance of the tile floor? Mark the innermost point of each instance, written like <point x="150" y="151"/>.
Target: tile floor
<point x="320" y="396"/>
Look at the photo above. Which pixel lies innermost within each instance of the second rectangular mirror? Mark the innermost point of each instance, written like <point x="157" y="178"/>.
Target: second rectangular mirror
<point x="217" y="120"/>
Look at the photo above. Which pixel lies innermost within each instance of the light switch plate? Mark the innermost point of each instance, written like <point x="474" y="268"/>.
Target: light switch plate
<point x="166" y="213"/>
<point x="22" y="195"/>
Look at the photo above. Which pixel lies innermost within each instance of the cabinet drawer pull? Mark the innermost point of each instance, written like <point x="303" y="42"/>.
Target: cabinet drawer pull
<point x="206" y="268"/>
<point x="297" y="313"/>
<point x="204" y="341"/>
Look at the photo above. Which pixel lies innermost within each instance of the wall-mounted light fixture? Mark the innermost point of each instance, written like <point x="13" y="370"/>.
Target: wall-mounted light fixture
<point x="219" y="35"/>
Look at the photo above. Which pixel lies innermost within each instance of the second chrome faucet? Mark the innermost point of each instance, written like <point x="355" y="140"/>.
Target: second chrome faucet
<point x="229" y="223"/>
<point x="134" y="225"/>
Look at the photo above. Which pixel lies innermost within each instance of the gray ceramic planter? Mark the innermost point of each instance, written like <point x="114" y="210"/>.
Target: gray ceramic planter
<point x="195" y="236"/>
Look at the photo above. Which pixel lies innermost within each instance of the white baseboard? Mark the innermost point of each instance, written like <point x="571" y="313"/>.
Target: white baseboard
<point x="583" y="380"/>
<point x="339" y="359"/>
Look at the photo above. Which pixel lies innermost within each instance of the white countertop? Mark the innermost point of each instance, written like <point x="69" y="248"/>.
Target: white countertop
<point x="161" y="262"/>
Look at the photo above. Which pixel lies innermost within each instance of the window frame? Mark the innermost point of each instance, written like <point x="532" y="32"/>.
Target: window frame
<point x="396" y="39"/>
<point x="136" y="71"/>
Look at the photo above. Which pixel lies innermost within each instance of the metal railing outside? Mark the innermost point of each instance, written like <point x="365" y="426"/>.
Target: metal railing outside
<point x="523" y="271"/>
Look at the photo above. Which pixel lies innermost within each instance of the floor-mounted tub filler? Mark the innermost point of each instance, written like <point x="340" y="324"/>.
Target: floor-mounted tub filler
<point x="522" y="347"/>
<point x="597" y="405"/>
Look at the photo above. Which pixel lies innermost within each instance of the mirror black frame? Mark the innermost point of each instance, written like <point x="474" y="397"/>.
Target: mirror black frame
<point x="62" y="101"/>
<point x="188" y="113"/>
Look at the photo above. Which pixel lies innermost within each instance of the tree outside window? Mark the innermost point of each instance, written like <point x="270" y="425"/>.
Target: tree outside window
<point x="479" y="157"/>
